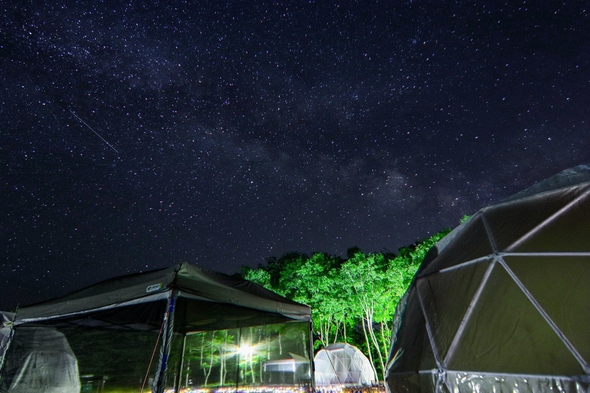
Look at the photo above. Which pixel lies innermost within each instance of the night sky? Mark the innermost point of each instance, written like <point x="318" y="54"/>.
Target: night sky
<point x="136" y="135"/>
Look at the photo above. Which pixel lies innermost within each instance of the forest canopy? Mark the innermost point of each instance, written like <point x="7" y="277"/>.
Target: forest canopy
<point x="353" y="299"/>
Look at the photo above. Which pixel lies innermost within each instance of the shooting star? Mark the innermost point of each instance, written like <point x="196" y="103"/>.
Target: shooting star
<point x="91" y="129"/>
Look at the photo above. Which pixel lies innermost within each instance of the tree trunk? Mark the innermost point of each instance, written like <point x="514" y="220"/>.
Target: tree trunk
<point x="210" y="359"/>
<point x="375" y="341"/>
<point x="385" y="337"/>
<point x="363" y="321"/>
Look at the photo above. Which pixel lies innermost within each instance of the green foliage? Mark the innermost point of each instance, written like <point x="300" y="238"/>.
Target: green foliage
<point x="465" y="218"/>
<point x="353" y="300"/>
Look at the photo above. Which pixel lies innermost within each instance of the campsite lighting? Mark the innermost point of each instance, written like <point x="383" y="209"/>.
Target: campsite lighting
<point x="246" y="350"/>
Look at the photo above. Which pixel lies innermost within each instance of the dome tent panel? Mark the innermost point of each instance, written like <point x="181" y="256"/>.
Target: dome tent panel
<point x="413" y="341"/>
<point x="511" y="337"/>
<point x="508" y="222"/>
<point x="468" y="244"/>
<point x="563" y="231"/>
<point x="412" y="383"/>
<point x="444" y="310"/>
<point x="505" y="333"/>
<point x="561" y="288"/>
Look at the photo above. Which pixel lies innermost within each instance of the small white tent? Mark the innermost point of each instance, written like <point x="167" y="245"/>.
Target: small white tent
<point x="341" y="363"/>
<point x="42" y="361"/>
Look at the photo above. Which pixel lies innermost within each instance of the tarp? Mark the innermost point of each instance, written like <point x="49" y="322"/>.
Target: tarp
<point x="136" y="328"/>
<point x="41" y="361"/>
<point x="6" y="323"/>
<point x="342" y="364"/>
<point x="502" y="303"/>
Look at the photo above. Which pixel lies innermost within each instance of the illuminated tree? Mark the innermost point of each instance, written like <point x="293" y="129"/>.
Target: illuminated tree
<point x="347" y="296"/>
<point x="369" y="294"/>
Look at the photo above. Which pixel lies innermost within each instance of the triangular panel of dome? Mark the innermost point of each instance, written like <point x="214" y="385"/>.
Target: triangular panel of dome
<point x="509" y="222"/>
<point x="566" y="231"/>
<point x="469" y="241"/>
<point x="507" y="334"/>
<point x="561" y="285"/>
<point x="411" y="347"/>
<point x="446" y="297"/>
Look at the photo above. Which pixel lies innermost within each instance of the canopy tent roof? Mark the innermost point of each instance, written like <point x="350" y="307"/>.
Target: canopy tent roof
<point x="502" y="301"/>
<point x="230" y="301"/>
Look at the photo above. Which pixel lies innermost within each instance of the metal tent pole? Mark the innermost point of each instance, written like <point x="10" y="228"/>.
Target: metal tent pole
<point x="160" y="378"/>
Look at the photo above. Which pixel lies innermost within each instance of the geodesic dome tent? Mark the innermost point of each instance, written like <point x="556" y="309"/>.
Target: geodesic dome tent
<point x="342" y="364"/>
<point x="502" y="303"/>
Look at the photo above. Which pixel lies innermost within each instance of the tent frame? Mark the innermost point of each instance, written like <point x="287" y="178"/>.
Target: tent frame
<point x="223" y="290"/>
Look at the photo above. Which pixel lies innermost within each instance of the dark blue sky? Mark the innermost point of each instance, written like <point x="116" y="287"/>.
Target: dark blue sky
<point x="136" y="135"/>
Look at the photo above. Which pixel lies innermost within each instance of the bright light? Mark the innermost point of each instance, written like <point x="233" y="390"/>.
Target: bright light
<point x="245" y="350"/>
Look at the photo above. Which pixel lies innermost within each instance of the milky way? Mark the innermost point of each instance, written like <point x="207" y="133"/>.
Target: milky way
<point x="136" y="135"/>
